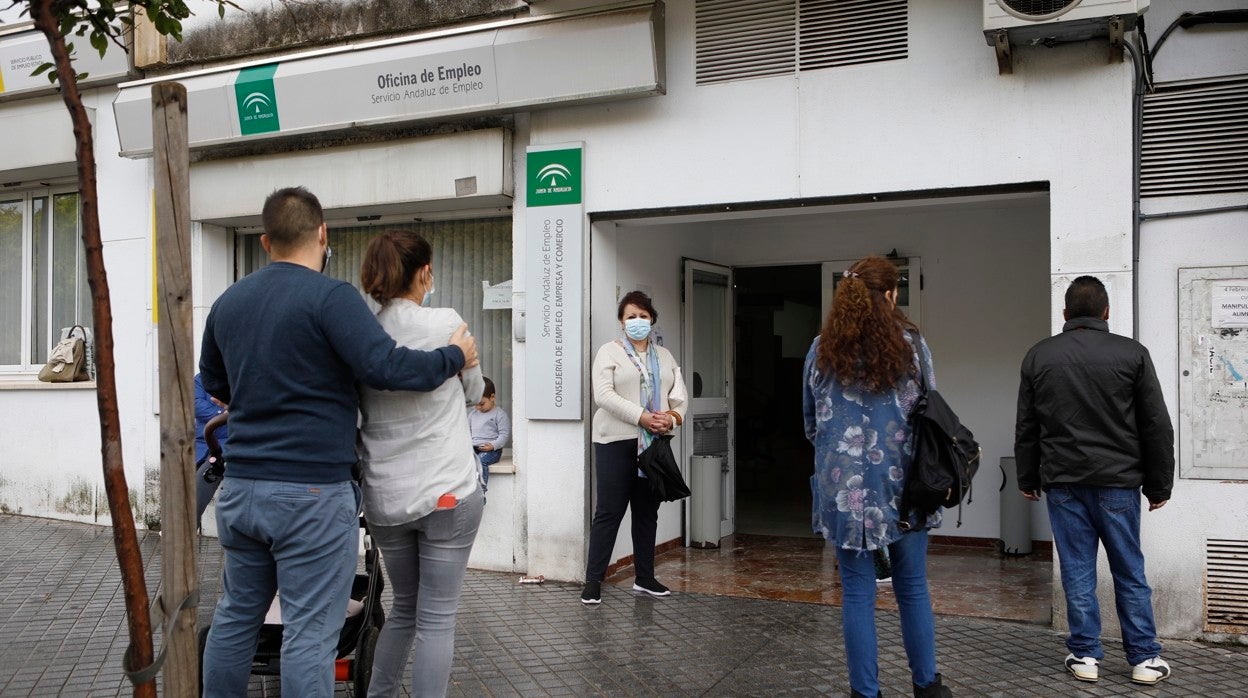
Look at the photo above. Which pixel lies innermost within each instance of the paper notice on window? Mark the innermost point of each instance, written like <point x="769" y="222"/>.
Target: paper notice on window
<point x="497" y="297"/>
<point x="1230" y="303"/>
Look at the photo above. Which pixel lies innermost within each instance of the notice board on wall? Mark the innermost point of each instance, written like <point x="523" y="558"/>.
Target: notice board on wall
<point x="1213" y="372"/>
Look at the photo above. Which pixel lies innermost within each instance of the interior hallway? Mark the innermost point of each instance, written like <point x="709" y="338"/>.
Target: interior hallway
<point x="972" y="581"/>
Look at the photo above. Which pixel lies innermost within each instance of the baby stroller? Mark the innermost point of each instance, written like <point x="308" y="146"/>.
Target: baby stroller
<point x="365" y="615"/>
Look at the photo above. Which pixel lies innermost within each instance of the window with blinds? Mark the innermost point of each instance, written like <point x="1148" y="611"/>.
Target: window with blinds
<point x="465" y="253"/>
<point x="743" y="39"/>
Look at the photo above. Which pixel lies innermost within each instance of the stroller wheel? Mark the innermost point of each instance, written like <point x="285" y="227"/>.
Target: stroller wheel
<point x="362" y="665"/>
<point x="203" y="643"/>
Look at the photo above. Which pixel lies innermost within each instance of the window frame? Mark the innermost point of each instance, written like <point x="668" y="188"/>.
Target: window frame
<point x="27" y="364"/>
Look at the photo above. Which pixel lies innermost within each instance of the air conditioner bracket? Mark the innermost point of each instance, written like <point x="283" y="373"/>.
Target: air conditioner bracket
<point x="1005" y="60"/>
<point x="1117" y="28"/>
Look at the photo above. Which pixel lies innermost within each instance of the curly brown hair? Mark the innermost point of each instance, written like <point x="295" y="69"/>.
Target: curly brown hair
<point x="863" y="337"/>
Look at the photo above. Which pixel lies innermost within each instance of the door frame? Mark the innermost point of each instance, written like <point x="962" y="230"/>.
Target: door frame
<point x="709" y="405"/>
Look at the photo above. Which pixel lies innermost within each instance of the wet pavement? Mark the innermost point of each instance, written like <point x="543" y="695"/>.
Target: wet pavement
<point x="965" y="580"/>
<point x="62" y="633"/>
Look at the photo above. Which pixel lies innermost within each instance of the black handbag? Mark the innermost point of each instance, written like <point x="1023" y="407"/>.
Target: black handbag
<point x="658" y="463"/>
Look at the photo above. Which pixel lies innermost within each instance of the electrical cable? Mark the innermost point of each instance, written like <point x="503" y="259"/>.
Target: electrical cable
<point x="1187" y="20"/>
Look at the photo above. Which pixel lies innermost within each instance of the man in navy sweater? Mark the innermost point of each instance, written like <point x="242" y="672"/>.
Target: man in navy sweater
<point x="283" y="347"/>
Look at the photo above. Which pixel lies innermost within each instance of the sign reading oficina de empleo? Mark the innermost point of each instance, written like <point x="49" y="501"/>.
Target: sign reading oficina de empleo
<point x="553" y="280"/>
<point x="285" y="97"/>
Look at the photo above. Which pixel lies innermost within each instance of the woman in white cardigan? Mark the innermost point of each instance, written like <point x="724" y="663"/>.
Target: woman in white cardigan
<point x="640" y="395"/>
<point x="421" y="492"/>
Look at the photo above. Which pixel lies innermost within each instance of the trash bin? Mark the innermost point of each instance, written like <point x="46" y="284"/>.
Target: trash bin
<point x="705" y="505"/>
<point x="1015" y="513"/>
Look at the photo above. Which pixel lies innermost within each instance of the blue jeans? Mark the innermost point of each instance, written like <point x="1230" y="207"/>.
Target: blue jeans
<point x="1082" y="515"/>
<point x="425" y="560"/>
<point x="918" y="625"/>
<point x="301" y="540"/>
<point x="487" y="459"/>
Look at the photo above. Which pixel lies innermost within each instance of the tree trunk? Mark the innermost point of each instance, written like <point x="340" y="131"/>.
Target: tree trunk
<point x="129" y="557"/>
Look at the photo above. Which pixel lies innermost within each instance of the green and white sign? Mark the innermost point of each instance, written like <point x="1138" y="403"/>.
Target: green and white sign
<point x="256" y="100"/>
<point x="554" y="177"/>
<point x="497" y="68"/>
<point x="554" y="280"/>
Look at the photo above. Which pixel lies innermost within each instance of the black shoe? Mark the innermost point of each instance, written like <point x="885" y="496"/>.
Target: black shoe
<point x="651" y="586"/>
<point x="592" y="593"/>
<point x="933" y="690"/>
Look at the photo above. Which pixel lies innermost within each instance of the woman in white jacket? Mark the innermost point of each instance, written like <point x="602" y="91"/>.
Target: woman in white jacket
<point x="640" y="395"/>
<point x="421" y="493"/>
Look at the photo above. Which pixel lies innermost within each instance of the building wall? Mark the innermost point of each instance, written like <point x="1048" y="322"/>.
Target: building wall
<point x="52" y="461"/>
<point x="942" y="118"/>
<point x="1174" y="537"/>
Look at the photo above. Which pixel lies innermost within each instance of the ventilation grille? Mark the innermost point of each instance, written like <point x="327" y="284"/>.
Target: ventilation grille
<point x="1195" y="138"/>
<point x="739" y="39"/>
<point x="710" y="435"/>
<point x="1038" y="9"/>
<point x="742" y="39"/>
<point x="1226" y="586"/>
<point x="844" y="32"/>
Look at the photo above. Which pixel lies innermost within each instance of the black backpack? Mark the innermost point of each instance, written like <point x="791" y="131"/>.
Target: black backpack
<point x="946" y="455"/>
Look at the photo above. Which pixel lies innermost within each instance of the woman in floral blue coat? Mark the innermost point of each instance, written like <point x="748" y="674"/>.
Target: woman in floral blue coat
<point x="860" y="382"/>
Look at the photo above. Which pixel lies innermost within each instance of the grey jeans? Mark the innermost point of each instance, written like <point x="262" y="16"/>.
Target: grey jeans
<point x="425" y="560"/>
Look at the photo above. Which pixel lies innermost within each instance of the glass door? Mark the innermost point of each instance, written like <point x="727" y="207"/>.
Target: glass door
<point x="707" y="366"/>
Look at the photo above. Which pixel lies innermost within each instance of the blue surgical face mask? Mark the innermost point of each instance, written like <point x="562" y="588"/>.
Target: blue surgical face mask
<point x="428" y="294"/>
<point x="637" y="328"/>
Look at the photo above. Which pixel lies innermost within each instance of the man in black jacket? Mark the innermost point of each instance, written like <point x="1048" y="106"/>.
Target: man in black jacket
<point x="1092" y="432"/>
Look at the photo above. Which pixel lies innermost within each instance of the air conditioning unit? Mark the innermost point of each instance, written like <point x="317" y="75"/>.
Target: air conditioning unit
<point x="1028" y="22"/>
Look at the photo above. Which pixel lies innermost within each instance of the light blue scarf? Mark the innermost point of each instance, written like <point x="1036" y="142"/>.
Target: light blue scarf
<point x="650" y="385"/>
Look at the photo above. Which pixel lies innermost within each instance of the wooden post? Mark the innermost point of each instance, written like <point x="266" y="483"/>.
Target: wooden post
<point x="177" y="399"/>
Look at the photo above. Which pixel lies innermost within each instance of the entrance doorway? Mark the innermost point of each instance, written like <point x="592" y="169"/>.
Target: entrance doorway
<point x="981" y="297"/>
<point x="778" y="313"/>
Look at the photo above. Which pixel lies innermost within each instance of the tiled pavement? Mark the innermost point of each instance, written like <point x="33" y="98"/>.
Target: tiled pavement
<point x="62" y="633"/>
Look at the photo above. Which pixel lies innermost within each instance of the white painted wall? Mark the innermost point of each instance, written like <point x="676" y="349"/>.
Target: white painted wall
<point x="1174" y="536"/>
<point x="942" y="118"/>
<point x="51" y="434"/>
<point x="1200" y="52"/>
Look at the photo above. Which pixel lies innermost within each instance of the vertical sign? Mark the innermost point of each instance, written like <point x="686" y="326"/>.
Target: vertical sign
<point x="553" y="287"/>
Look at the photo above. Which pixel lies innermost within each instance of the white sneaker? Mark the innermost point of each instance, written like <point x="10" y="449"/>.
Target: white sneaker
<point x="1084" y="668"/>
<point x="1150" y="671"/>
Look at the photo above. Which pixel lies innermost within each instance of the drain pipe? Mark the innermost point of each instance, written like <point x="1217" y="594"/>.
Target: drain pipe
<point x="1137" y="135"/>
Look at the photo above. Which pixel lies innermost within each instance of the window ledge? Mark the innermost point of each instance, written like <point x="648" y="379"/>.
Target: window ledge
<point x="504" y="466"/>
<point x="24" y="383"/>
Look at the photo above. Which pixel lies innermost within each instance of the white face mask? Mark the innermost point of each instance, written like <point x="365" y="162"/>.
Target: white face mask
<point x="637" y="328"/>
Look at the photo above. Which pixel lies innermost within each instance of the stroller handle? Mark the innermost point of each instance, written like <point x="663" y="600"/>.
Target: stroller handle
<point x="210" y="433"/>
